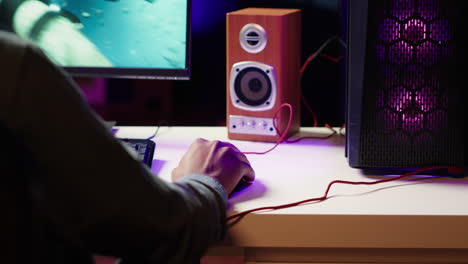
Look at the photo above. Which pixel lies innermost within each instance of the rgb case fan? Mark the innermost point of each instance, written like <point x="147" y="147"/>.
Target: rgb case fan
<point x="404" y="84"/>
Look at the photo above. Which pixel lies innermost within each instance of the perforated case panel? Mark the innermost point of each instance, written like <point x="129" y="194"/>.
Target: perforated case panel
<point x="411" y="114"/>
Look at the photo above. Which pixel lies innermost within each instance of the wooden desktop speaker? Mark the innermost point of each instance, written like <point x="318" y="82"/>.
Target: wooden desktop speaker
<point x="262" y="73"/>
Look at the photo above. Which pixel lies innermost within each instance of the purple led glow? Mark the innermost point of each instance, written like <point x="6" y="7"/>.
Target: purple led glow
<point x="428" y="9"/>
<point x="400" y="137"/>
<point x="401" y="53"/>
<point x="403" y="9"/>
<point x="389" y="119"/>
<point x="425" y="99"/>
<point x="433" y="80"/>
<point x="422" y="138"/>
<point x="440" y="30"/>
<point x="436" y="120"/>
<point x="413" y="42"/>
<point x="380" y="102"/>
<point x="412" y="121"/>
<point x="391" y="76"/>
<point x="399" y="99"/>
<point x="413" y="77"/>
<point x="380" y="49"/>
<point x="444" y="100"/>
<point x="389" y="30"/>
<point x="428" y="54"/>
<point x="414" y="31"/>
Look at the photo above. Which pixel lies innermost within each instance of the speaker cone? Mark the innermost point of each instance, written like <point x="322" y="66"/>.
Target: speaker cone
<point x="253" y="86"/>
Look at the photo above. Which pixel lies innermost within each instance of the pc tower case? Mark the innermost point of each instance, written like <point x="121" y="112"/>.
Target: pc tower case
<point x="405" y="84"/>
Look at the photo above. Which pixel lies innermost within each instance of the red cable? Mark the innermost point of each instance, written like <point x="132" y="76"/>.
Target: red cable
<point x="337" y="59"/>
<point x="325" y="196"/>
<point x="304" y="66"/>
<point x="284" y="134"/>
<point x="342" y="128"/>
<point x="311" y="112"/>
<point x="304" y="101"/>
<point x="324" y="137"/>
<point x="313" y="56"/>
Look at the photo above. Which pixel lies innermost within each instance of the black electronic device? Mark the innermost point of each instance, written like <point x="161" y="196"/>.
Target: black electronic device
<point x="405" y="98"/>
<point x="142" y="148"/>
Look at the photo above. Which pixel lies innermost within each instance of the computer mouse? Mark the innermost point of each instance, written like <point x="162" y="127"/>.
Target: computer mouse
<point x="242" y="185"/>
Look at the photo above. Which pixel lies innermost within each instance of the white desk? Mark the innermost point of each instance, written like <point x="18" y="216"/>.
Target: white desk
<point x="410" y="221"/>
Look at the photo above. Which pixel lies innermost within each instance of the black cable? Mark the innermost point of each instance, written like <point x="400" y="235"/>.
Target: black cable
<point x="325" y="44"/>
<point x="157" y="129"/>
<point x="155" y="133"/>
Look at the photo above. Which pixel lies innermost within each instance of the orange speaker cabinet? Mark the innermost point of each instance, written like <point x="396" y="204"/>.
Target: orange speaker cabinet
<point x="263" y="63"/>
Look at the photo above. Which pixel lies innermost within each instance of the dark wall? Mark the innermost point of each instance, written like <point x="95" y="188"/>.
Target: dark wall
<point x="201" y="101"/>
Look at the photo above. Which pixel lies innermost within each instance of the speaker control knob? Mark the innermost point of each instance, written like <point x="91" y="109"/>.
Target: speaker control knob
<point x="239" y="124"/>
<point x="251" y="123"/>
<point x="262" y="125"/>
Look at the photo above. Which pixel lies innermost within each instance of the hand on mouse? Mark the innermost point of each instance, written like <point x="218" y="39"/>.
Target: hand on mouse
<point x="217" y="159"/>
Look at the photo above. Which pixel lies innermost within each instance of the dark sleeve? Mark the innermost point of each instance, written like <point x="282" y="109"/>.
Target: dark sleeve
<point x="93" y="193"/>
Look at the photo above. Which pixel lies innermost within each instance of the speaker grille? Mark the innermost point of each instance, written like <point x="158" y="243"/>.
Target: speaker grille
<point x="409" y="114"/>
<point x="253" y="86"/>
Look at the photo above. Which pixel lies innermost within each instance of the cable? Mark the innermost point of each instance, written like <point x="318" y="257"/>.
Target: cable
<point x="337" y="59"/>
<point x="307" y="62"/>
<point x="155" y="133"/>
<point x="324" y="137"/>
<point x="304" y="101"/>
<point x="311" y="112"/>
<point x="325" y="196"/>
<point x="343" y="128"/>
<point x="343" y="43"/>
<point x="283" y="135"/>
<point x="157" y="129"/>
<point x="318" y="52"/>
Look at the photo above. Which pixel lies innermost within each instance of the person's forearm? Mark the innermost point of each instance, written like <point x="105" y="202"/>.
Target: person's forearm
<point x="194" y="220"/>
<point x="213" y="198"/>
<point x="92" y="191"/>
<point x="204" y="210"/>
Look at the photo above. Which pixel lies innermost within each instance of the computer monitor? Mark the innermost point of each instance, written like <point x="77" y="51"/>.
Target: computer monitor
<point x="107" y="38"/>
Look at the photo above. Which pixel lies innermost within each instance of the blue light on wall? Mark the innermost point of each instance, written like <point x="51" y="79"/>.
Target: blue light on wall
<point x="207" y="14"/>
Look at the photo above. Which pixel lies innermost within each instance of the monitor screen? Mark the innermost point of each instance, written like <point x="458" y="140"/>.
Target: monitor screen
<point x="107" y="38"/>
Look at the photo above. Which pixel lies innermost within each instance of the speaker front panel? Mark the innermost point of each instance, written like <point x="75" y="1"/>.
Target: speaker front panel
<point x="253" y="86"/>
<point x="262" y="72"/>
